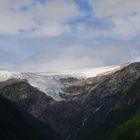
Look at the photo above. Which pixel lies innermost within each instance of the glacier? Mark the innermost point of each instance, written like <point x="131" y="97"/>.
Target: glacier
<point x="50" y="83"/>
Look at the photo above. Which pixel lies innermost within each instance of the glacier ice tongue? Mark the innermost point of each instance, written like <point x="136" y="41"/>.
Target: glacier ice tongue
<point x="49" y="83"/>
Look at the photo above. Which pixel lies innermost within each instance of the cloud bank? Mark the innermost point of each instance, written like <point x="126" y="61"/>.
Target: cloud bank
<point x="38" y="35"/>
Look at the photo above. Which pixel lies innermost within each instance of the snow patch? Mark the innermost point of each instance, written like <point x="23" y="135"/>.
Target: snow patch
<point x="5" y="75"/>
<point x="49" y="83"/>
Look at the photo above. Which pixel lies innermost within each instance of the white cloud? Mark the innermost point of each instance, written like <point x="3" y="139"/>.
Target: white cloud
<point x="57" y="53"/>
<point x="6" y="4"/>
<point x="127" y="26"/>
<point x="56" y="10"/>
<point x="70" y="57"/>
<point x="104" y="8"/>
<point x="85" y="43"/>
<point x="123" y="16"/>
<point x="50" y="30"/>
<point x="11" y="23"/>
<point x="47" y="19"/>
<point x="79" y="56"/>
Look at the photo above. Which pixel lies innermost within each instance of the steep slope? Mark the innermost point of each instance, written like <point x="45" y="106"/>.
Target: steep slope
<point x="123" y="122"/>
<point x="50" y="82"/>
<point x="13" y="125"/>
<point x="30" y="101"/>
<point x="79" y="115"/>
<point x="25" y="96"/>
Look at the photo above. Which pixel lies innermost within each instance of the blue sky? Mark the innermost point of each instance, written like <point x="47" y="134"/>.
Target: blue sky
<point x="39" y="35"/>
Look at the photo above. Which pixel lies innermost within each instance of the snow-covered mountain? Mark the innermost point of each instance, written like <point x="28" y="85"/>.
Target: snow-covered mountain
<point x="50" y="83"/>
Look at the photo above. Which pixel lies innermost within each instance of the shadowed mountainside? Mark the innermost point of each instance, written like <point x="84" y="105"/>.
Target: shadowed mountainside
<point x="106" y="108"/>
<point x="13" y="125"/>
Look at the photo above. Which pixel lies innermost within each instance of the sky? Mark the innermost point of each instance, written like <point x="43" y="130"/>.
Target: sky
<point x="52" y="35"/>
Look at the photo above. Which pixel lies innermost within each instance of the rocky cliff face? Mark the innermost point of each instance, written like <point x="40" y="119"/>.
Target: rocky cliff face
<point x="88" y="102"/>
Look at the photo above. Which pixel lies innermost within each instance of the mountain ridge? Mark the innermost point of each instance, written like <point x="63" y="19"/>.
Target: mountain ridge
<point x="50" y="83"/>
<point x="80" y="115"/>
